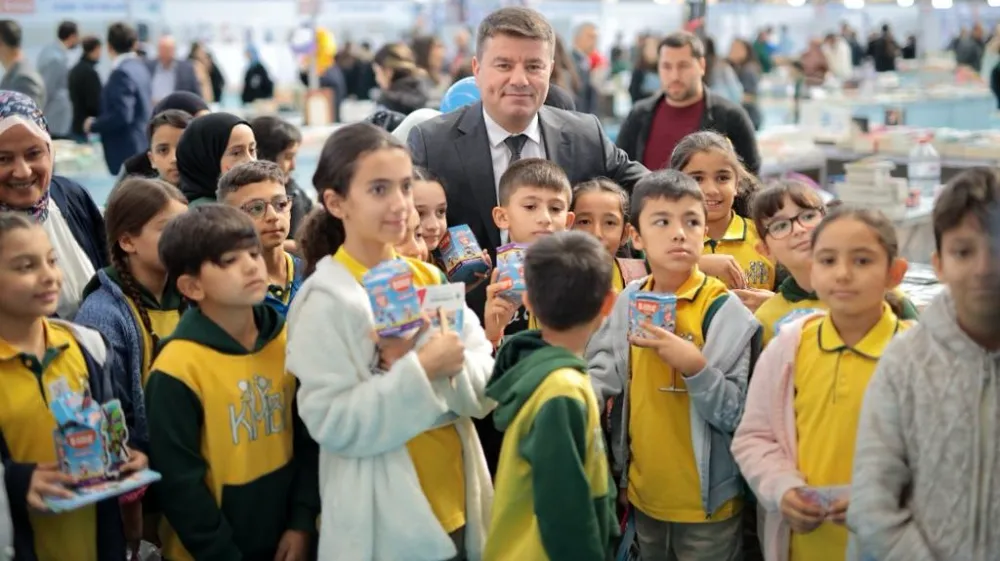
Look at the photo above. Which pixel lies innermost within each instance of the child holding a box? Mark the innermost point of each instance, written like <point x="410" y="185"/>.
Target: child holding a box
<point x="683" y="390"/>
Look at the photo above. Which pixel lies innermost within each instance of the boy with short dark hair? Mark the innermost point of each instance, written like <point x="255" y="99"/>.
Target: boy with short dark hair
<point x="554" y="499"/>
<point x="925" y="484"/>
<point x="683" y="389"/>
<point x="239" y="470"/>
<point x="258" y="189"/>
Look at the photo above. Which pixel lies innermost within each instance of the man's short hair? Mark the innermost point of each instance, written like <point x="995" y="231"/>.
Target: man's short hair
<point x="122" y="37"/>
<point x="89" y="43"/>
<point x="975" y="191"/>
<point x="668" y="184"/>
<point x="681" y="39"/>
<point x="515" y="21"/>
<point x="202" y="235"/>
<point x="247" y="173"/>
<point x="67" y="29"/>
<point x="533" y="172"/>
<point x="11" y="33"/>
<point x="568" y="276"/>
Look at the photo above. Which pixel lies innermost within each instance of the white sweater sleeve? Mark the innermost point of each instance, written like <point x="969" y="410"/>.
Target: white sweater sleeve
<point x="347" y="409"/>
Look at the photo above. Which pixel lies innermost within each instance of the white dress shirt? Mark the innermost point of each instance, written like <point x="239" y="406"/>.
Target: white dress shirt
<point x="501" y="154"/>
<point x="164" y="81"/>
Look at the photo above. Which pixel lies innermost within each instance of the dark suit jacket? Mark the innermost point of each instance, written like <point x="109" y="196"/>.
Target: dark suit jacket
<point x="84" y="92"/>
<point x="455" y="147"/>
<point x="126" y="107"/>
<point x="185" y="80"/>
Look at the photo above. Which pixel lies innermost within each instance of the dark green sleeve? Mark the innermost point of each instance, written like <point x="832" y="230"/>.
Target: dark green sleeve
<point x="304" y="502"/>
<point x="909" y="310"/>
<point x="556" y="448"/>
<point x="175" y="417"/>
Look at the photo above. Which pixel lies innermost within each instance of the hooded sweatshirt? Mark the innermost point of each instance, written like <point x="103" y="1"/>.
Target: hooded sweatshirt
<point x="553" y="498"/>
<point x="926" y="482"/>
<point x="199" y="155"/>
<point x="238" y="467"/>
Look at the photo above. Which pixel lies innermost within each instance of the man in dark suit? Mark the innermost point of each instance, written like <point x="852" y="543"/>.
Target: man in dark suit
<point x="469" y="149"/>
<point x="18" y="75"/>
<point x="126" y="103"/>
<point x="85" y="85"/>
<point x="169" y="73"/>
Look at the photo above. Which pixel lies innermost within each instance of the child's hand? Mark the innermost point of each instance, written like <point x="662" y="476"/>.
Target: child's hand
<point x="498" y="311"/>
<point x="838" y="511"/>
<point x="724" y="267"/>
<point x="48" y="481"/>
<point x="443" y="355"/>
<point x="294" y="546"/>
<point x="752" y="298"/>
<point x="137" y="461"/>
<point x="481" y="277"/>
<point x="803" y="516"/>
<point x="678" y="353"/>
<point x="391" y="349"/>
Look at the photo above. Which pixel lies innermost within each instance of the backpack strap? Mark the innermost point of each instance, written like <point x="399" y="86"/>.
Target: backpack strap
<point x="632" y="269"/>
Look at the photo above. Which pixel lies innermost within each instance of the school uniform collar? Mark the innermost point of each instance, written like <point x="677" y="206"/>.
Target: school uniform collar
<point x="690" y="289"/>
<point x="279" y="291"/>
<point x="56" y="341"/>
<point x="354" y="266"/>
<point x="873" y="343"/>
<point x="793" y="292"/>
<point x="736" y="231"/>
<point x="171" y="299"/>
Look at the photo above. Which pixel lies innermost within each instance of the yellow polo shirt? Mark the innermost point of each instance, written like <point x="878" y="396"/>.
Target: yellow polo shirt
<point x="740" y="241"/>
<point x="830" y="383"/>
<point x="27" y="425"/>
<point x="663" y="478"/>
<point x="436" y="453"/>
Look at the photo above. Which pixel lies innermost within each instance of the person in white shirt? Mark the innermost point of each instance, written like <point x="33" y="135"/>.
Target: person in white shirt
<point x="838" y="56"/>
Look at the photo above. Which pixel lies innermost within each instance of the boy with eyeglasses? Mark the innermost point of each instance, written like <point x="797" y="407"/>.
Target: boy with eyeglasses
<point x="258" y="189"/>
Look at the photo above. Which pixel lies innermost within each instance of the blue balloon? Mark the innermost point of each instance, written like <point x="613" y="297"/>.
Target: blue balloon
<point x="461" y="93"/>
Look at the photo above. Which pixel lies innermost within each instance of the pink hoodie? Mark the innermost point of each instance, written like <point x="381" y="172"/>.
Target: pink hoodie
<point x="765" y="444"/>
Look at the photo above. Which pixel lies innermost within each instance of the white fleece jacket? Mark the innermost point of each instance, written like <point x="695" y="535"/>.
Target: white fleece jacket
<point x="373" y="506"/>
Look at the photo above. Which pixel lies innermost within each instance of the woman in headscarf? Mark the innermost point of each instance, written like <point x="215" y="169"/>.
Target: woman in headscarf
<point x="210" y="146"/>
<point x="190" y="103"/>
<point x="257" y="83"/>
<point x="64" y="208"/>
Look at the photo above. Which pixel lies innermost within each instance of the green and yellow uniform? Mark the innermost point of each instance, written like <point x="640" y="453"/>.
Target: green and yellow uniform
<point x="553" y="489"/>
<point x="830" y="382"/>
<point x="239" y="468"/>
<point x="740" y="241"/>
<point x="663" y="480"/>
<point x="436" y="453"/>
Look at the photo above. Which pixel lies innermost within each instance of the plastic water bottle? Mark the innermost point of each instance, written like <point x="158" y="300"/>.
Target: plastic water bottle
<point x="923" y="170"/>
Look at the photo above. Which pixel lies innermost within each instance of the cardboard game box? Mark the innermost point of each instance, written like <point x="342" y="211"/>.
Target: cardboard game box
<point x="657" y="308"/>
<point x="394" y="298"/>
<point x="510" y="271"/>
<point x="461" y="255"/>
<point x="447" y="297"/>
<point x="91" y="446"/>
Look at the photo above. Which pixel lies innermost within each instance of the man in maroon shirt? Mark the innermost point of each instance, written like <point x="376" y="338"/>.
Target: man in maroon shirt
<point x="685" y="105"/>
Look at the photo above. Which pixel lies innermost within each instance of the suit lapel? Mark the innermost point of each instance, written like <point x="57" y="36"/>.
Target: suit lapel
<point x="473" y="146"/>
<point x="557" y="145"/>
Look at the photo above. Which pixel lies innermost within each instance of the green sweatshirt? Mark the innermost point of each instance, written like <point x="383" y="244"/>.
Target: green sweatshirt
<point x="554" y="498"/>
<point x="239" y="469"/>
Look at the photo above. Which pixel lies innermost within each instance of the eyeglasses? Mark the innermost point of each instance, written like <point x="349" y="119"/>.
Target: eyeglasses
<point x="257" y="208"/>
<point x="782" y="228"/>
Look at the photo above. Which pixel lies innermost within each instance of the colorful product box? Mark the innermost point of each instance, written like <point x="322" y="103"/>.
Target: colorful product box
<point x="657" y="308"/>
<point x="461" y="255"/>
<point x="394" y="298"/>
<point x="449" y="298"/>
<point x="510" y="271"/>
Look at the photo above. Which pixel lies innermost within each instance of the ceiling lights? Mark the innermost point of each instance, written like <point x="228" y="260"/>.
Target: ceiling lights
<point x="796" y="3"/>
<point x="854" y="4"/>
<point x="904" y="3"/>
<point x="941" y="4"/>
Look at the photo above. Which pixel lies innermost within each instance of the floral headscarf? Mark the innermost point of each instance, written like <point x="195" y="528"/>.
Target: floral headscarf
<point x="19" y="109"/>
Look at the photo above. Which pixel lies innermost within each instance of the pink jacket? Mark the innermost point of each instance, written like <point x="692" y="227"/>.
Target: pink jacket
<point x="765" y="444"/>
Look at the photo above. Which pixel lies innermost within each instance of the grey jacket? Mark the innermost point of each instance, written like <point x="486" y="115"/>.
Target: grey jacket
<point x="53" y="65"/>
<point x="926" y="482"/>
<point x="717" y="393"/>
<point x="21" y="77"/>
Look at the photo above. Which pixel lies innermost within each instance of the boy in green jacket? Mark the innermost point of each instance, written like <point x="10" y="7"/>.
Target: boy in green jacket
<point x="553" y="499"/>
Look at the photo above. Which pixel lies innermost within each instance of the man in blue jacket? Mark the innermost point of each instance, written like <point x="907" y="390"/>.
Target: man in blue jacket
<point x="126" y="102"/>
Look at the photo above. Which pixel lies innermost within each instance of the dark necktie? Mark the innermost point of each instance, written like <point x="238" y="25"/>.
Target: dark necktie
<point x="515" y="143"/>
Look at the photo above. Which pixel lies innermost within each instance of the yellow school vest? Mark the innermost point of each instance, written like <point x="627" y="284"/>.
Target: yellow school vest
<point x="740" y="241"/>
<point x="27" y="425"/>
<point x="436" y="453"/>
<point x="163" y="316"/>
<point x="830" y="383"/>
<point x="663" y="478"/>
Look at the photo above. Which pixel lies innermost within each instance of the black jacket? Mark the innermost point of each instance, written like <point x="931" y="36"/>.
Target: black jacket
<point x="405" y="95"/>
<point x="721" y="116"/>
<point x="257" y="84"/>
<point x="84" y="92"/>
